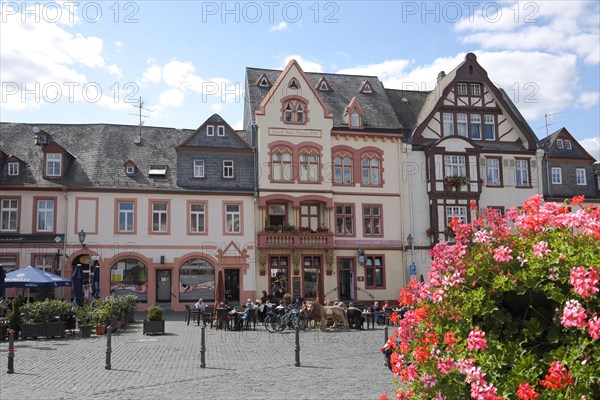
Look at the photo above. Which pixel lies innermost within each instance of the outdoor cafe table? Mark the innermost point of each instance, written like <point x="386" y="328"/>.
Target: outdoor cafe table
<point x="369" y="317"/>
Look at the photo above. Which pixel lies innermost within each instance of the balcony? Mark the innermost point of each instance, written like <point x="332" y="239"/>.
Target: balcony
<point x="290" y="240"/>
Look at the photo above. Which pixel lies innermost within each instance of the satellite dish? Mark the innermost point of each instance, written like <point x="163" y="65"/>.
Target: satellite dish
<point x="35" y="130"/>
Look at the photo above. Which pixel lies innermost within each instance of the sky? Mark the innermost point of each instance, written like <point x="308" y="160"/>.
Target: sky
<point x="91" y="62"/>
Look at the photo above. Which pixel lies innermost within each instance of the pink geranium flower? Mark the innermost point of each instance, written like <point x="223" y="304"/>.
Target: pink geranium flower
<point x="585" y="282"/>
<point x="476" y="340"/>
<point x="574" y="315"/>
<point x="502" y="254"/>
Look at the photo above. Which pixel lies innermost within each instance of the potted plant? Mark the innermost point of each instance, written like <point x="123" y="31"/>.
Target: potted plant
<point x="100" y="318"/>
<point x="154" y="321"/>
<point x="305" y="229"/>
<point x="85" y="317"/>
<point x="289" y="228"/>
<point x="270" y="228"/>
<point x="15" y="319"/>
<point x="455" y="181"/>
<point x="129" y="303"/>
<point x="44" y="318"/>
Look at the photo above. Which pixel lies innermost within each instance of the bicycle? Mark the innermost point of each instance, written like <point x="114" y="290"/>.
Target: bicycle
<point x="289" y="318"/>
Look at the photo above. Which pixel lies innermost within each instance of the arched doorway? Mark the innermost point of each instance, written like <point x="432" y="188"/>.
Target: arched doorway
<point x="129" y="276"/>
<point x="196" y="280"/>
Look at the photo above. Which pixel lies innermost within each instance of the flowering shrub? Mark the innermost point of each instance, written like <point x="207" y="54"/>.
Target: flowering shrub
<point x="511" y="310"/>
<point x="455" y="181"/>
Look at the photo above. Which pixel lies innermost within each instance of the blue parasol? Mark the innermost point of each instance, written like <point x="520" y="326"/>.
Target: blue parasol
<point x="31" y="277"/>
<point x="77" y="280"/>
<point x="96" y="283"/>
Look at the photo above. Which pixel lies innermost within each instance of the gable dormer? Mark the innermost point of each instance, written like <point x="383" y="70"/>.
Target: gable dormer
<point x="129" y="168"/>
<point x="14" y="165"/>
<point x="263" y="81"/>
<point x="367" y="87"/>
<point x="42" y="138"/>
<point x="56" y="161"/>
<point x="323" y="85"/>
<point x="354" y="113"/>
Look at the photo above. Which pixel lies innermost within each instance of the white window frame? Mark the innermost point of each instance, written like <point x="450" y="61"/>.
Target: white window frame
<point x="13" y="168"/>
<point x="492" y="167"/>
<point x="198" y="168"/>
<point x="129" y="214"/>
<point x="197" y="216"/>
<point x="579" y="174"/>
<point x="129" y="170"/>
<point x="309" y="167"/>
<point x="462" y="125"/>
<point x="9" y="215"/>
<point x="281" y="166"/>
<point x="228" y="168"/>
<point x="522" y="173"/>
<point x="476" y="121"/>
<point x="460" y="212"/>
<point x="455" y="165"/>
<point x="160" y="218"/>
<point x="462" y="89"/>
<point x="45" y="262"/>
<point x="231" y="216"/>
<point x="475" y="89"/>
<point x="210" y="130"/>
<point x="45" y="212"/>
<point x="489" y="122"/>
<point x="355" y="118"/>
<point x="568" y="144"/>
<point x="448" y="124"/>
<point x="556" y="175"/>
<point x="53" y="164"/>
<point x="220" y="130"/>
<point x="559" y="144"/>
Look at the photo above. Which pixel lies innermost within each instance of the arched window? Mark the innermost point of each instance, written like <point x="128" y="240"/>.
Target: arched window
<point x="371" y="165"/>
<point x="342" y="169"/>
<point x="309" y="166"/>
<point x="129" y="276"/>
<point x="294" y="112"/>
<point x="197" y="280"/>
<point x="281" y="165"/>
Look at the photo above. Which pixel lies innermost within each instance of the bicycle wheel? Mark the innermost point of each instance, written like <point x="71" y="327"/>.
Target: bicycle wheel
<point x="304" y="322"/>
<point x="272" y="323"/>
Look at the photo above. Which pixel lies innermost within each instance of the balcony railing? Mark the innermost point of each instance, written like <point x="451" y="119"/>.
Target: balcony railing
<point x="295" y="240"/>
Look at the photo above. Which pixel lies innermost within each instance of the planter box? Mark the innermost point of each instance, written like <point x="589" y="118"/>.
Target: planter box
<point x="86" y="331"/>
<point x="54" y="329"/>
<point x="157" y="327"/>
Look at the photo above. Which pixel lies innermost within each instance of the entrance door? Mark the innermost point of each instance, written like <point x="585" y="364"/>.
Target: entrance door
<point x="163" y="285"/>
<point x="232" y="286"/>
<point x="346" y="279"/>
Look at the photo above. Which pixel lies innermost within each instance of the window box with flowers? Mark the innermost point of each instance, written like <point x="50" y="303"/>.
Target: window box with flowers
<point x="455" y="182"/>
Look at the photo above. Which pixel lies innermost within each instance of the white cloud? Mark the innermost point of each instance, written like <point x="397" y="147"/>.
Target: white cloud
<point x="588" y="99"/>
<point x="115" y="71"/>
<point x="171" y="98"/>
<point x="152" y="74"/>
<point x="239" y="125"/>
<point x="548" y="26"/>
<point x="217" y="107"/>
<point x="592" y="146"/>
<point x="306" y="65"/>
<point x="279" y="27"/>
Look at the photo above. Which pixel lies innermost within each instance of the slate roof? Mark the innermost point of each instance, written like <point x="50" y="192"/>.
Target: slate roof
<point x="100" y="152"/>
<point x="407" y="104"/>
<point x="378" y="112"/>
<point x="551" y="149"/>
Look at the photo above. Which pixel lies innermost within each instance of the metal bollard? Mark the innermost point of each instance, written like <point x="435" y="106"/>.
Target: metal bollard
<point x="202" y="346"/>
<point x="11" y="352"/>
<point x="297" y="345"/>
<point x="385" y="332"/>
<point x="108" y="346"/>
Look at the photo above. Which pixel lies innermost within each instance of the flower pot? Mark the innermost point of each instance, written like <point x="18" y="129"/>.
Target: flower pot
<point x="154" y="327"/>
<point x="100" y="329"/>
<point x="86" y="331"/>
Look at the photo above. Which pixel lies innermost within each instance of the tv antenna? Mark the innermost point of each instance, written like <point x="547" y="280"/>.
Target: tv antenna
<point x="140" y="107"/>
<point x="546" y="117"/>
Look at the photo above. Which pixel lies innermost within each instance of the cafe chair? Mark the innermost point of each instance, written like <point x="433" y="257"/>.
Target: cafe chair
<point x="191" y="313"/>
<point x="251" y="318"/>
<point x="223" y="319"/>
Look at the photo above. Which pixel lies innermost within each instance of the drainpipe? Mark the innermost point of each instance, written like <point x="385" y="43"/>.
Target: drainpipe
<point x="65" y="193"/>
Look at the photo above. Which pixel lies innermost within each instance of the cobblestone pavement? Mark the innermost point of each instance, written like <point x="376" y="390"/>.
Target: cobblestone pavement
<point x="239" y="365"/>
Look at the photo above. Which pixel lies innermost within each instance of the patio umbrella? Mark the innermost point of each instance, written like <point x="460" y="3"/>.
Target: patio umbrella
<point x="31" y="277"/>
<point x="77" y="281"/>
<point x="96" y="283"/>
<point x="219" y="291"/>
<point x="2" y="277"/>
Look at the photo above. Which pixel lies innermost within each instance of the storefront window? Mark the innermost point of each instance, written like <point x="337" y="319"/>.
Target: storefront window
<point x="279" y="274"/>
<point x="312" y="266"/>
<point x="197" y="280"/>
<point x="129" y="276"/>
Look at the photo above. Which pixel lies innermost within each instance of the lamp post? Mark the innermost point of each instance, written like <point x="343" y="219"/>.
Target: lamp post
<point x="82" y="236"/>
<point x="57" y="261"/>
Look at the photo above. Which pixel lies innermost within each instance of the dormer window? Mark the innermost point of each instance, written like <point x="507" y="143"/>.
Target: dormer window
<point x="568" y="144"/>
<point x="263" y="81"/>
<point x="54" y="164"/>
<point x="221" y="130"/>
<point x="323" y="86"/>
<point x="293" y="84"/>
<point x="559" y="144"/>
<point x="367" y="88"/>
<point x="41" y="138"/>
<point x="355" y="114"/>
<point x="210" y="130"/>
<point x="159" y="171"/>
<point x="294" y="112"/>
<point x="130" y="170"/>
<point x="13" y="168"/>
<point x="355" y="118"/>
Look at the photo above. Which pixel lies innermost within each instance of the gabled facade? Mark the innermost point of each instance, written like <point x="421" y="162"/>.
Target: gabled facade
<point x="567" y="169"/>
<point x="327" y="185"/>
<point x="156" y="223"/>
<point x="468" y="144"/>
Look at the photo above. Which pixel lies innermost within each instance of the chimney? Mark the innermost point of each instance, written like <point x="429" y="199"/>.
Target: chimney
<point x="441" y="76"/>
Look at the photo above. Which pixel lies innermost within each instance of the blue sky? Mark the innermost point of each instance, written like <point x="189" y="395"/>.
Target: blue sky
<point x="88" y="62"/>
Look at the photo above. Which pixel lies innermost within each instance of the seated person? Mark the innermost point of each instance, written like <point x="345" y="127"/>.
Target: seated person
<point x="355" y="317"/>
<point x="240" y="320"/>
<point x="379" y="315"/>
<point x="280" y="309"/>
<point x="200" y="305"/>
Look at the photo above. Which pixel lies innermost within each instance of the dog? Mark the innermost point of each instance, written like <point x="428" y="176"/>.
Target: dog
<point x="322" y="313"/>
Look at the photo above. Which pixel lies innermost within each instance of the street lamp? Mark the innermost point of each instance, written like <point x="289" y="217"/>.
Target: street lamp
<point x="82" y="236"/>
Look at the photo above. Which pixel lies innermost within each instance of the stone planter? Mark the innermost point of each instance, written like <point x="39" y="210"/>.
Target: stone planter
<point x="154" y="327"/>
<point x="51" y="329"/>
<point x="86" y="331"/>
